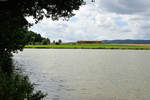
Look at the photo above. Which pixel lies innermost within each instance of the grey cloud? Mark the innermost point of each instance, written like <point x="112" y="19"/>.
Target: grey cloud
<point x="145" y="36"/>
<point x="125" y="6"/>
<point x="146" y="27"/>
<point x="126" y="30"/>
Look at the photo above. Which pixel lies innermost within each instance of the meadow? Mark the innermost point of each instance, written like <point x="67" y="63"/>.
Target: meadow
<point x="92" y="46"/>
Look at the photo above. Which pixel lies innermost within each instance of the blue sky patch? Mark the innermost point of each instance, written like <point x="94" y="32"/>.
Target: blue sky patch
<point x="73" y="19"/>
<point x="119" y="22"/>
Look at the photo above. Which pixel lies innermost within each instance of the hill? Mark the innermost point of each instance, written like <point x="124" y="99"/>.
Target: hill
<point x="127" y="41"/>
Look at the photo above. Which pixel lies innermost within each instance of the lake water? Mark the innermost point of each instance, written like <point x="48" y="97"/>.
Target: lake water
<point x="88" y="74"/>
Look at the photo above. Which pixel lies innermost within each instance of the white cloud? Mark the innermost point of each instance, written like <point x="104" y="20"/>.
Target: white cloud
<point x="104" y="19"/>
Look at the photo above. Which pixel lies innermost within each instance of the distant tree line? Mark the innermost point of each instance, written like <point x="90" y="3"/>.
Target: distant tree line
<point x="33" y="38"/>
<point x="57" y="42"/>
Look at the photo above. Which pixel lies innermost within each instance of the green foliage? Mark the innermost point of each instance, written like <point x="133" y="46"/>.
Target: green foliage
<point x="12" y="31"/>
<point x="10" y="41"/>
<point x="59" y="41"/>
<point x="40" y="8"/>
<point x="45" y="41"/>
<point x="35" y="39"/>
<point x="13" y="84"/>
<point x="54" y="42"/>
<point x="6" y="63"/>
<point x="18" y="87"/>
<point x="90" y="46"/>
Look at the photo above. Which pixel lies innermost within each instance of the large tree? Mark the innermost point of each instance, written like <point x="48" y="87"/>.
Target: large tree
<point x="13" y="26"/>
<point x="13" y="23"/>
<point x="13" y="15"/>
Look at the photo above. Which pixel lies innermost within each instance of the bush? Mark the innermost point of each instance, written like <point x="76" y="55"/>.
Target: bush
<point x="18" y="87"/>
<point x="13" y="84"/>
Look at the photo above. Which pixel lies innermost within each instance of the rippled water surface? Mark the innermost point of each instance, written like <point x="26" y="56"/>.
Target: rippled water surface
<point x="82" y="74"/>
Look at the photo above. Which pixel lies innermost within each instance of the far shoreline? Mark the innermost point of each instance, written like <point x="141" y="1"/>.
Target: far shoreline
<point x="90" y="46"/>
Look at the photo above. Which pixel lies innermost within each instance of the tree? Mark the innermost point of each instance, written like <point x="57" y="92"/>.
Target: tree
<point x="13" y="26"/>
<point x="13" y="22"/>
<point x="48" y="41"/>
<point x="34" y="38"/>
<point x="54" y="42"/>
<point x="59" y="41"/>
<point x="45" y="41"/>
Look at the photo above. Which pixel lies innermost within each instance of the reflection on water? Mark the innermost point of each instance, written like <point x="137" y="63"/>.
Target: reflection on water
<point x="77" y="74"/>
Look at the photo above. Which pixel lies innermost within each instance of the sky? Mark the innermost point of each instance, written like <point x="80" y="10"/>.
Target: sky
<point x="101" y="20"/>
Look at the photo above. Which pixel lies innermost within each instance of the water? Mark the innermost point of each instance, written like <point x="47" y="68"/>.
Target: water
<point x="82" y="74"/>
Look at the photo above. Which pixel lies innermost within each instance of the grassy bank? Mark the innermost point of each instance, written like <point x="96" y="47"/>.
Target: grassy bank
<point x="90" y="46"/>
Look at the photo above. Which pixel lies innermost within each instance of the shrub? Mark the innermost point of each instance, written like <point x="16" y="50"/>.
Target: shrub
<point x="13" y="84"/>
<point x="18" y="87"/>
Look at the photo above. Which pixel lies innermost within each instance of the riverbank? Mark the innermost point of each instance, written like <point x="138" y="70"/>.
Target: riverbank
<point x="91" y="46"/>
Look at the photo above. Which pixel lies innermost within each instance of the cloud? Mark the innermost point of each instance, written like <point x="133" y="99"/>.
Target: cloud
<point x="104" y="19"/>
<point x="125" y="6"/>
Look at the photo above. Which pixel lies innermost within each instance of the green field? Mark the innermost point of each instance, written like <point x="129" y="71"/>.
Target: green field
<point x="89" y="46"/>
